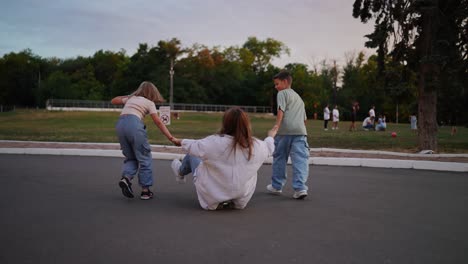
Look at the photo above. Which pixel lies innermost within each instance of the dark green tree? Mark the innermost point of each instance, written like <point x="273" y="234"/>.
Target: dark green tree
<point x="421" y="33"/>
<point x="58" y="86"/>
<point x="262" y="52"/>
<point x="19" y="78"/>
<point x="107" y="65"/>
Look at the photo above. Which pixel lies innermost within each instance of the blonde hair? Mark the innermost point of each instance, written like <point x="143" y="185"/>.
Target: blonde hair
<point x="149" y="91"/>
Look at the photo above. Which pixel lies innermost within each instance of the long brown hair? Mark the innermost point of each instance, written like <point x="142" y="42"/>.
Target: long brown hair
<point x="236" y="123"/>
<point x="149" y="91"/>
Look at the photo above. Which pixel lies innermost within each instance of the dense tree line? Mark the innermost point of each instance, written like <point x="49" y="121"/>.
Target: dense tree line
<point x="233" y="76"/>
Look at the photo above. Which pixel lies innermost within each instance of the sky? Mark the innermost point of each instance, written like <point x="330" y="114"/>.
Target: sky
<point x="313" y="30"/>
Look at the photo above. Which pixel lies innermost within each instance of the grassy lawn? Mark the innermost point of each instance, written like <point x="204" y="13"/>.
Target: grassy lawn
<point x="42" y="125"/>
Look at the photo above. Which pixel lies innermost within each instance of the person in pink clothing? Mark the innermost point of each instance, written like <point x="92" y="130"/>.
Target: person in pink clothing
<point x="225" y="165"/>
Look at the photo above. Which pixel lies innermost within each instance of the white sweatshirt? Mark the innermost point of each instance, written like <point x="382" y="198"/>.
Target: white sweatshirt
<point x="225" y="175"/>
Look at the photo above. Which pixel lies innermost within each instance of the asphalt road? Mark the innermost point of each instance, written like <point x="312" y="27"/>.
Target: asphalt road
<point x="66" y="209"/>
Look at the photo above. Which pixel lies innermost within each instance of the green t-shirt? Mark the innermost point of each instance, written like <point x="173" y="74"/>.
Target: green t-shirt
<point x="294" y="113"/>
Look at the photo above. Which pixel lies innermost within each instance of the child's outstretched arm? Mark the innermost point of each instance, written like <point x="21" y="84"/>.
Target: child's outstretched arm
<point x="279" y="118"/>
<point x="164" y="129"/>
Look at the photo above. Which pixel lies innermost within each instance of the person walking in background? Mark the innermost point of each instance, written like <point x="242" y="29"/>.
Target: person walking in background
<point x="326" y="117"/>
<point x="372" y="112"/>
<point x="453" y="122"/>
<point x="133" y="138"/>
<point x="291" y="139"/>
<point x="336" y="117"/>
<point x="354" y="109"/>
<point x="224" y="166"/>
<point x="372" y="115"/>
<point x="414" y="122"/>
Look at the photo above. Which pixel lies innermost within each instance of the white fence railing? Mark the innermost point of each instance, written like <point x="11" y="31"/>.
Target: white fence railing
<point x="87" y="105"/>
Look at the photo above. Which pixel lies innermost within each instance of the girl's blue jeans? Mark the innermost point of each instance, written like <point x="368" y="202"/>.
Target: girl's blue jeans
<point x="297" y="148"/>
<point x="189" y="164"/>
<point x="135" y="147"/>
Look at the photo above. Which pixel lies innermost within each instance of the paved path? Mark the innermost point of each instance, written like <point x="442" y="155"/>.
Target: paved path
<point x="68" y="209"/>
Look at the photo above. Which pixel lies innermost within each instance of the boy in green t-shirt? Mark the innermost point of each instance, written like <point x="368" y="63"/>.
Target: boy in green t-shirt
<point x="290" y="140"/>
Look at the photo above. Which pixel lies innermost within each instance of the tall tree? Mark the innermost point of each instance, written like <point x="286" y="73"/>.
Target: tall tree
<point x="419" y="33"/>
<point x="264" y="51"/>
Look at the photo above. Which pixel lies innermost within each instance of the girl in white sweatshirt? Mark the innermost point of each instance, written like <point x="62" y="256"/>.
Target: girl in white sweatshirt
<point x="224" y="166"/>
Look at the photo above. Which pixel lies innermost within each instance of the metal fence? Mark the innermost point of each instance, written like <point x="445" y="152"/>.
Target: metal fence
<point x="7" y="108"/>
<point x="86" y="105"/>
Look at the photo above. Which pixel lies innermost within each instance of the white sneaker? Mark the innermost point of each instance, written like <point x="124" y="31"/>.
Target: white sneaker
<point x="272" y="190"/>
<point x="300" y="194"/>
<point x="175" y="165"/>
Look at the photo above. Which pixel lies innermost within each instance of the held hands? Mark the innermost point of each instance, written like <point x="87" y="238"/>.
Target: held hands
<point x="273" y="131"/>
<point x="176" y="141"/>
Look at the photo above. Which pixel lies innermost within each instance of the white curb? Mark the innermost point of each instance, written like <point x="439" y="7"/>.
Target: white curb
<point x="329" y="161"/>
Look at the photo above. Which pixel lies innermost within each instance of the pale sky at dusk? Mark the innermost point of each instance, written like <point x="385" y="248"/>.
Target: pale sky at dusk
<point x="312" y="29"/>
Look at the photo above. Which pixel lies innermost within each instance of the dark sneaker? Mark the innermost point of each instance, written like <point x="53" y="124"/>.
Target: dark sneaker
<point x="126" y="187"/>
<point x="225" y="205"/>
<point x="146" y="195"/>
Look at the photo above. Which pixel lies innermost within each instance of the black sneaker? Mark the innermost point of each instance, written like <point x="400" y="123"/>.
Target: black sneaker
<point x="126" y="187"/>
<point x="225" y="205"/>
<point x="146" y="195"/>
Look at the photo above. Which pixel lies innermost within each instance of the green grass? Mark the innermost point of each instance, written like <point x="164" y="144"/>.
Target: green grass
<point x="42" y="125"/>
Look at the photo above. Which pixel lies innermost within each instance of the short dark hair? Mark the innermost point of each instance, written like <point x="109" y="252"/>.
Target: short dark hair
<point x="283" y="75"/>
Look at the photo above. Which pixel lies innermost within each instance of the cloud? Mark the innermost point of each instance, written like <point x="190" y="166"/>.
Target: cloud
<point x="311" y="29"/>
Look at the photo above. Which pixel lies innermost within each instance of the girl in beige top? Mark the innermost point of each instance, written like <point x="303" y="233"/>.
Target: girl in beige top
<point x="133" y="138"/>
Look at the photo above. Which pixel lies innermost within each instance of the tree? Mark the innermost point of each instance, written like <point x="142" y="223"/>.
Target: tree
<point x="107" y="65"/>
<point x="421" y="32"/>
<point x="57" y="86"/>
<point x="19" y="78"/>
<point x="147" y="64"/>
<point x="264" y="51"/>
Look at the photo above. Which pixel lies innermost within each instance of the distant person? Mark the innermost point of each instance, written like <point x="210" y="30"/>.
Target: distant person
<point x="291" y="139"/>
<point x="453" y="131"/>
<point x="133" y="138"/>
<point x="336" y="117"/>
<point x="381" y="123"/>
<point x="224" y="166"/>
<point x="372" y="112"/>
<point x="368" y="123"/>
<point x="326" y="117"/>
<point x="453" y="123"/>
<point x="354" y="109"/>
<point x="414" y="122"/>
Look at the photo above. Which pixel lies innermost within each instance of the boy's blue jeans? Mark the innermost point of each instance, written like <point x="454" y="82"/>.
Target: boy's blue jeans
<point x="135" y="147"/>
<point x="298" y="149"/>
